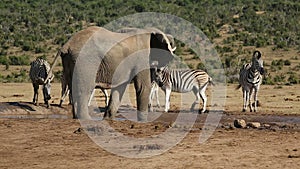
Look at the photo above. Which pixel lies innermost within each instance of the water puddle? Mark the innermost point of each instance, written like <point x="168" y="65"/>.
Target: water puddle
<point x="36" y="116"/>
<point x="50" y="116"/>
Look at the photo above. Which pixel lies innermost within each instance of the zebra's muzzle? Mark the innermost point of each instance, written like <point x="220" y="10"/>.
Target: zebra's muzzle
<point x="262" y="71"/>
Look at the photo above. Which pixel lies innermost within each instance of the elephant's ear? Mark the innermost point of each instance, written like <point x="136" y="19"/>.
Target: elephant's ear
<point x="171" y="40"/>
<point x="161" y="41"/>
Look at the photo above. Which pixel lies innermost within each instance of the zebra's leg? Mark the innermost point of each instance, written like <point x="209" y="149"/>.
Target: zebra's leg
<point x="45" y="96"/>
<point x="35" y="94"/>
<point x="106" y="96"/>
<point x="204" y="98"/>
<point x="245" y="99"/>
<point x="167" y="99"/>
<point x="157" y="97"/>
<point x="197" y="101"/>
<point x="150" y="106"/>
<point x="91" y="97"/>
<point x="255" y="99"/>
<point x="249" y="99"/>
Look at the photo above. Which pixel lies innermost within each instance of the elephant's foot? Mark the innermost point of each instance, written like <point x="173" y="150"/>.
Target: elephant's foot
<point x="142" y="116"/>
<point x="84" y="117"/>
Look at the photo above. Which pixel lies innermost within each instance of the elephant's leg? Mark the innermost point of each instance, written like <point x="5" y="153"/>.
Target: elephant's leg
<point x="114" y="101"/>
<point x="64" y="93"/>
<point x="142" y="86"/>
<point x="71" y="99"/>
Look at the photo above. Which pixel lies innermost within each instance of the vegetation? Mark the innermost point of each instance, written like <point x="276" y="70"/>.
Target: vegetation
<point x="27" y="32"/>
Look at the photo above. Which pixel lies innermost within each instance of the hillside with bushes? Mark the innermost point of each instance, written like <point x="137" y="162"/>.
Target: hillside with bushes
<point x="31" y="29"/>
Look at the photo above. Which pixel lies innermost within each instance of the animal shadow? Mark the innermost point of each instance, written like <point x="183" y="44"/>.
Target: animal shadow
<point x="22" y="105"/>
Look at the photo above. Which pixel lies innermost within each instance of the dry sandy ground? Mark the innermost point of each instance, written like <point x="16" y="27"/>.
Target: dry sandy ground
<point x="36" y="137"/>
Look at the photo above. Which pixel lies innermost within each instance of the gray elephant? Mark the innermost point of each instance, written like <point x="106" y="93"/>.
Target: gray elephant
<point x="113" y="60"/>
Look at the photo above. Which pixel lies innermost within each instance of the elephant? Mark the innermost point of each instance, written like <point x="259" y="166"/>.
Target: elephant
<point x="109" y="59"/>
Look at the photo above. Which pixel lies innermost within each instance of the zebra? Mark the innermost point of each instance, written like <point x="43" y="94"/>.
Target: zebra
<point x="154" y="88"/>
<point x="250" y="80"/>
<point x="39" y="70"/>
<point x="182" y="81"/>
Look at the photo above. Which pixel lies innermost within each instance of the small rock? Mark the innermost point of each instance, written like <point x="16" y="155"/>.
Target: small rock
<point x="78" y="131"/>
<point x="132" y="126"/>
<point x="240" y="123"/>
<point x="254" y="124"/>
<point x="266" y="126"/>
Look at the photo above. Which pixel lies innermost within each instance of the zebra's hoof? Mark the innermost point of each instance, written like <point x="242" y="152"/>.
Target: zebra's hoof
<point x="244" y="110"/>
<point x="206" y="111"/>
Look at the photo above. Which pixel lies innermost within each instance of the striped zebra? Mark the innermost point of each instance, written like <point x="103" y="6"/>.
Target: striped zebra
<point x="39" y="70"/>
<point x="182" y="81"/>
<point x="154" y="89"/>
<point x="250" y="80"/>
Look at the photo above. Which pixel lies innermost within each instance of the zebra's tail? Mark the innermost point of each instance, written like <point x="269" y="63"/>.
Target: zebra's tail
<point x="210" y="81"/>
<point x="49" y="73"/>
<point x="238" y="87"/>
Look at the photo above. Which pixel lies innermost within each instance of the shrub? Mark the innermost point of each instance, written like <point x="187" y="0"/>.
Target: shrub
<point x="4" y="60"/>
<point x="201" y="66"/>
<point x="279" y="78"/>
<point x="19" y="60"/>
<point x="268" y="80"/>
<point x="287" y="63"/>
<point x="293" y="79"/>
<point x="42" y="57"/>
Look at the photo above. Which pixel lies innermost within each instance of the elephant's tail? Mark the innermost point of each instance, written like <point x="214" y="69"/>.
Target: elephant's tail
<point x="52" y="65"/>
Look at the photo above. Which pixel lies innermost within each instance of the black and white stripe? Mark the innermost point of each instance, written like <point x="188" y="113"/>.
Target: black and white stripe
<point x="250" y="80"/>
<point x="182" y="81"/>
<point x="154" y="88"/>
<point x="39" y="70"/>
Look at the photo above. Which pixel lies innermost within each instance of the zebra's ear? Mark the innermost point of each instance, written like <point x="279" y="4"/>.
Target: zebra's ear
<point x="257" y="54"/>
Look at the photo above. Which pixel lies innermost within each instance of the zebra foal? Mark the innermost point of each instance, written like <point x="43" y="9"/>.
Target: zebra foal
<point x="250" y="80"/>
<point x="38" y="72"/>
<point x="183" y="81"/>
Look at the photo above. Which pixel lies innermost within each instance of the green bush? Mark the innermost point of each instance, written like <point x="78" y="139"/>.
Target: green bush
<point x="287" y="63"/>
<point x="293" y="79"/>
<point x="268" y="80"/>
<point x="4" y="60"/>
<point x="20" y="77"/>
<point x="19" y="60"/>
<point x="279" y="78"/>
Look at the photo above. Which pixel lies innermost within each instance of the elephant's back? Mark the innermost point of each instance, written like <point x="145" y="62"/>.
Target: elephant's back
<point x="77" y="41"/>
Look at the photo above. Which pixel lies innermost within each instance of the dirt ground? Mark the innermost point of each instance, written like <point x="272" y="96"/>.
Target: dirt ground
<point x="37" y="137"/>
